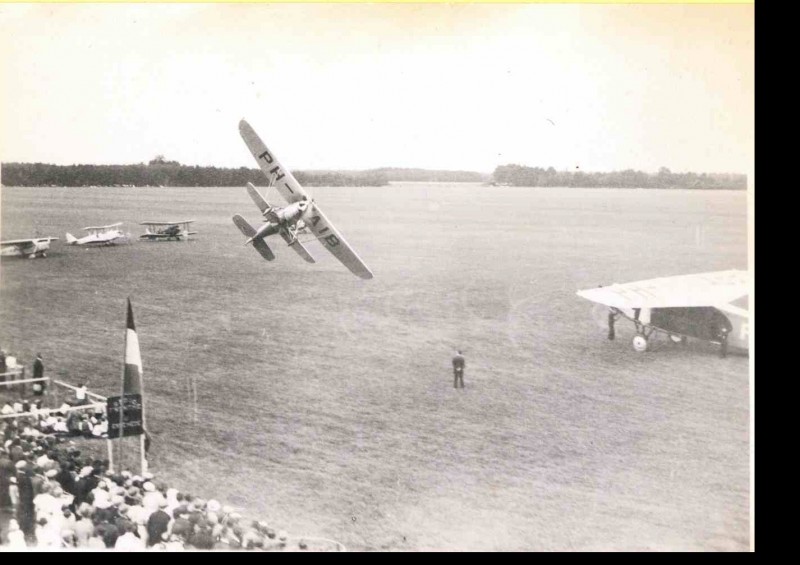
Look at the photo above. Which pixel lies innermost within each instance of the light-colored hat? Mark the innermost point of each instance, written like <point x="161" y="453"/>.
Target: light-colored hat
<point x="21" y="464"/>
<point x="213" y="506"/>
<point x="86" y="471"/>
<point x="51" y="473"/>
<point x="149" y="487"/>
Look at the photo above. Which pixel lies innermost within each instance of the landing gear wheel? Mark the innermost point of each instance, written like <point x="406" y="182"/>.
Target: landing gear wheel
<point x="639" y="343"/>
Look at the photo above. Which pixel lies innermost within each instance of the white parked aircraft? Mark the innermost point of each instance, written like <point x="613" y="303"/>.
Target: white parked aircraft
<point x="167" y="230"/>
<point x="100" y="235"/>
<point x="32" y="248"/>
<point x="712" y="307"/>
<point x="300" y="216"/>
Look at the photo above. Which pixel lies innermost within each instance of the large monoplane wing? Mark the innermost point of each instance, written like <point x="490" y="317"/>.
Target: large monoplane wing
<point x="333" y="241"/>
<point x="25" y="246"/>
<point x="687" y="291"/>
<point x="284" y="182"/>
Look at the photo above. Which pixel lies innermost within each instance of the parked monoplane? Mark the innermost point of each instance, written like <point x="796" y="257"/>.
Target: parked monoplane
<point x="166" y="231"/>
<point x="300" y="216"/>
<point x="32" y="248"/>
<point x="100" y="235"/>
<point x="712" y="307"/>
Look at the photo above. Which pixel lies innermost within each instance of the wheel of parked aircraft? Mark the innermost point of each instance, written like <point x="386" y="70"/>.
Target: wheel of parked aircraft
<point x="639" y="343"/>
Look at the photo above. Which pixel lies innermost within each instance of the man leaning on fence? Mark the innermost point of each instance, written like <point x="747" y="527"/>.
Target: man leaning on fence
<point x="38" y="373"/>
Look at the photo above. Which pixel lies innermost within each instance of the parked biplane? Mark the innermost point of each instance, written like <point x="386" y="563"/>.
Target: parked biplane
<point x="100" y="235"/>
<point x="302" y="215"/>
<point x="166" y="231"/>
<point x="712" y="307"/>
<point x="31" y="248"/>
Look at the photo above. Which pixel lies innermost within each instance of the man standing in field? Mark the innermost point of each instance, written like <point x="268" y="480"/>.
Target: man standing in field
<point x="458" y="369"/>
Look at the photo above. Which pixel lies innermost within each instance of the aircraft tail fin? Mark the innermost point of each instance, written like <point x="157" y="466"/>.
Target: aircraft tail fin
<point x="71" y="239"/>
<point x="246" y="229"/>
<point x="249" y="232"/>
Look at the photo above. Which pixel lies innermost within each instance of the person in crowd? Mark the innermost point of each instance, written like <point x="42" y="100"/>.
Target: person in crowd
<point x="16" y="537"/>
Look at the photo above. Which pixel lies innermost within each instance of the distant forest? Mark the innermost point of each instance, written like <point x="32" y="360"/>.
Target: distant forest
<point x="517" y="175"/>
<point x="160" y="172"/>
<point x="163" y="173"/>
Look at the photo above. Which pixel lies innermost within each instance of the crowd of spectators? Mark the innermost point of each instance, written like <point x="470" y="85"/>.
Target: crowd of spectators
<point x="88" y="423"/>
<point x="57" y="497"/>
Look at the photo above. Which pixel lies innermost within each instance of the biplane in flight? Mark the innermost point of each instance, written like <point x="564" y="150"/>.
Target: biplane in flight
<point x="712" y="307"/>
<point x="31" y="248"/>
<point x="302" y="215"/>
<point x="100" y="235"/>
<point x="166" y="231"/>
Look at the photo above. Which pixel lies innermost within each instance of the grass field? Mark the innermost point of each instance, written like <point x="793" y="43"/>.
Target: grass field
<point x="326" y="403"/>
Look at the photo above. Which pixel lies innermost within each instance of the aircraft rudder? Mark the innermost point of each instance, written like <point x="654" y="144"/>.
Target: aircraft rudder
<point x="71" y="239"/>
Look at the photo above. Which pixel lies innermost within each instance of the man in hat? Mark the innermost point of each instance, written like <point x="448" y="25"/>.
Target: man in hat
<point x="38" y="373"/>
<point x="25" y="512"/>
<point x="458" y="369"/>
<point x="157" y="523"/>
<point x="6" y="472"/>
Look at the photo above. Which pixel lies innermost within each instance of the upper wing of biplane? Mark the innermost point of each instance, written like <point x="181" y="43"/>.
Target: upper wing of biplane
<point x="284" y="182"/>
<point x="102" y="228"/>
<point x="175" y="223"/>
<point x="687" y="291"/>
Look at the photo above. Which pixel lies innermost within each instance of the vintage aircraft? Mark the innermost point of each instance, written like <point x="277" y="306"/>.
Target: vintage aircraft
<point x="302" y="215"/>
<point x="32" y="248"/>
<point x="711" y="307"/>
<point x="166" y="231"/>
<point x="100" y="235"/>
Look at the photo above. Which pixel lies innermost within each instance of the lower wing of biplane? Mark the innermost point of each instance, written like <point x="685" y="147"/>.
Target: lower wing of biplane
<point x="31" y="248"/>
<point x="711" y="307"/>
<point x="301" y="214"/>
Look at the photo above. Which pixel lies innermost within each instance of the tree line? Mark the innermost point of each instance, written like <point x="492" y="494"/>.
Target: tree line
<point x="160" y="172"/>
<point x="518" y="175"/>
<point x="163" y="173"/>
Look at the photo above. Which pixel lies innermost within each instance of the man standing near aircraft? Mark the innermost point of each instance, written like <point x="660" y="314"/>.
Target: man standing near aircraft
<point x="458" y="369"/>
<point x="38" y="373"/>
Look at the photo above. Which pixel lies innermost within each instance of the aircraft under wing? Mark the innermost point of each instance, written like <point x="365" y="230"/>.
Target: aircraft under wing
<point x="285" y="183"/>
<point x="297" y="246"/>
<point x="333" y="241"/>
<point x="259" y="201"/>
<point x="683" y="291"/>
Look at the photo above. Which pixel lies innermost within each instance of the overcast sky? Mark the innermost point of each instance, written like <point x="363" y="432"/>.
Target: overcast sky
<point x="344" y="86"/>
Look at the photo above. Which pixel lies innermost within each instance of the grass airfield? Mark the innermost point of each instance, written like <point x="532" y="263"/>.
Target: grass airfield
<point x="325" y="402"/>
